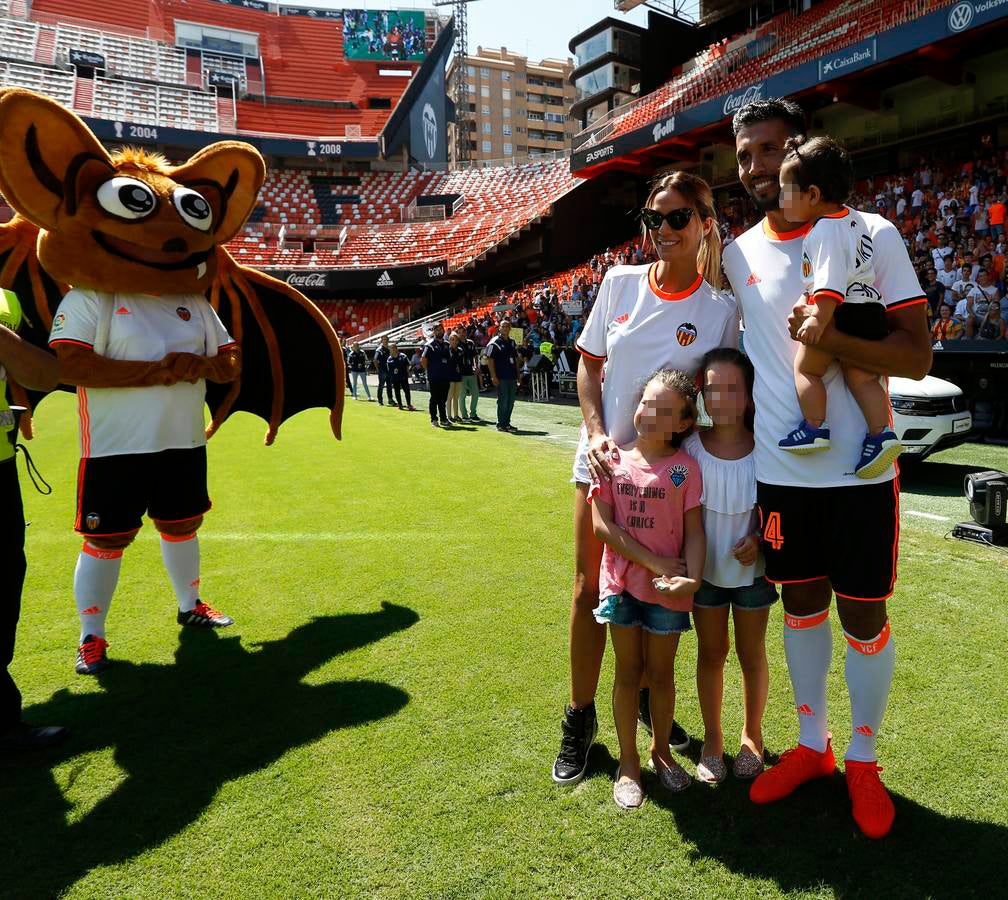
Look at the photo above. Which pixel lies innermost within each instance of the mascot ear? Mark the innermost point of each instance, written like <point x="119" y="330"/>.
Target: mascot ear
<point x="229" y="174"/>
<point x="43" y="151"/>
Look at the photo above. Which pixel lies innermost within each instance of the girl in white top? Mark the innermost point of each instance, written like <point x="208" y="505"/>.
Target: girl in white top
<point x="662" y="316"/>
<point x="733" y="573"/>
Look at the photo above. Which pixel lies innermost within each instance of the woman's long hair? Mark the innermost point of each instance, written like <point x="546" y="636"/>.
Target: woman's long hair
<point x="698" y="195"/>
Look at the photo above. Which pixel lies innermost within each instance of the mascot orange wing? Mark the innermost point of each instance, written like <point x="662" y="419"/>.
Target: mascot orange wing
<point x="131" y="222"/>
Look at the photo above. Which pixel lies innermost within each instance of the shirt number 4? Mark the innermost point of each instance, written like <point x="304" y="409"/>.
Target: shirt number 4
<point x="772" y="533"/>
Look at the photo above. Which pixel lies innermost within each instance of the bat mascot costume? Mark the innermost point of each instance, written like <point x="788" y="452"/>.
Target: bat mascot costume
<point x="119" y="266"/>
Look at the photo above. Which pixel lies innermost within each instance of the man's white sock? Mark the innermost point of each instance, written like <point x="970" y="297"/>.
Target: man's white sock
<point x="869" y="670"/>
<point x="808" y="646"/>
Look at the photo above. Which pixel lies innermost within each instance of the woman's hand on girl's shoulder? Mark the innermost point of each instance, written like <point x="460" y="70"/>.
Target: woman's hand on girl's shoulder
<point x="602" y="455"/>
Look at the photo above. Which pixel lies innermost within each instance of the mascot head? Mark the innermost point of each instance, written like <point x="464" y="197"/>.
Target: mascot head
<point x="129" y="221"/>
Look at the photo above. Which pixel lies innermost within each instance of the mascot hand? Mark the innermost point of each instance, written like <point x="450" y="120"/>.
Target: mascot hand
<point x="185" y="366"/>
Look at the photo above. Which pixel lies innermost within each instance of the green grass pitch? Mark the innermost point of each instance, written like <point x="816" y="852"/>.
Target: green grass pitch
<point x="381" y="720"/>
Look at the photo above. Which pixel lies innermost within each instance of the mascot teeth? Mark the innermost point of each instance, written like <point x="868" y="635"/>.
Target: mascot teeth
<point x="200" y="270"/>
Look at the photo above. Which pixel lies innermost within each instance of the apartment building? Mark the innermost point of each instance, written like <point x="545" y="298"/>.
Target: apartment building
<point x="518" y="108"/>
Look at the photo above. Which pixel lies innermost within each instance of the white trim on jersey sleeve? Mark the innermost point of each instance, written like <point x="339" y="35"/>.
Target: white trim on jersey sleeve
<point x="76" y="319"/>
<point x="827" y="248"/>
<point x="592" y="339"/>
<point x="895" y="277"/>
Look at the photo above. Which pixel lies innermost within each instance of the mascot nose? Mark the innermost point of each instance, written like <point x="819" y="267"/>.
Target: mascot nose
<point x="175" y="245"/>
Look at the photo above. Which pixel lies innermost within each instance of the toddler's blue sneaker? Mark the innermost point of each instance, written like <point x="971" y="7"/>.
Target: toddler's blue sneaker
<point x="878" y="453"/>
<point x="806" y="438"/>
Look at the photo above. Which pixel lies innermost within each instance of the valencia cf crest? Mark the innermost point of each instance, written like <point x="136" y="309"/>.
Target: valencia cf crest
<point x="678" y="474"/>
<point x="92" y="521"/>
<point x="183" y="313"/>
<point x="806" y="266"/>
<point x="686" y="333"/>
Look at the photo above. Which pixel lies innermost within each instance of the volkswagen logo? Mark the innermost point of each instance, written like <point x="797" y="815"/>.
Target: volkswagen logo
<point x="960" y="17"/>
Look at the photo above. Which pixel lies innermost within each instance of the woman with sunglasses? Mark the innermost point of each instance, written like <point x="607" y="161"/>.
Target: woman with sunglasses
<point x="665" y="315"/>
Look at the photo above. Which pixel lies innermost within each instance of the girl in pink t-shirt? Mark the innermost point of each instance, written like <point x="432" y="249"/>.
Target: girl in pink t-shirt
<point x="649" y="518"/>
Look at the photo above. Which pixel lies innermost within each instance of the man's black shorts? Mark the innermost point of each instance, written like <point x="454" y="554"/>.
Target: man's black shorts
<point x="849" y="535"/>
<point x="114" y="492"/>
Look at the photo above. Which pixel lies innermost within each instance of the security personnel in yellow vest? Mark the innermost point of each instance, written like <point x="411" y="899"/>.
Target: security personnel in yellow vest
<point x="36" y="369"/>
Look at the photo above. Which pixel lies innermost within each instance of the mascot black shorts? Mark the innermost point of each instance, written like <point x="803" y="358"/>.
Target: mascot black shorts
<point x="114" y="492"/>
<point x="849" y="535"/>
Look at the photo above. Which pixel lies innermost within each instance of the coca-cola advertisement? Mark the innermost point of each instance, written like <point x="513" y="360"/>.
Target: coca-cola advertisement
<point x="316" y="282"/>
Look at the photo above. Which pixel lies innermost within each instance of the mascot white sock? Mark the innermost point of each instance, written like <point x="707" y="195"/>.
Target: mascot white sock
<point x="95" y="580"/>
<point x="182" y="560"/>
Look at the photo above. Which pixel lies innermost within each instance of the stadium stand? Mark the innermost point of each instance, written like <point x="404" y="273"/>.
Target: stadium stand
<point x="787" y="41"/>
<point x="154" y="104"/>
<point x="363" y="317"/>
<point x="55" y="83"/>
<point x="18" y="39"/>
<point x="492" y="204"/>
<point x="300" y="86"/>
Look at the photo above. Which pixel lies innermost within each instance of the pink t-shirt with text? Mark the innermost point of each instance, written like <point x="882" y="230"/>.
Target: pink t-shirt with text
<point x="649" y="503"/>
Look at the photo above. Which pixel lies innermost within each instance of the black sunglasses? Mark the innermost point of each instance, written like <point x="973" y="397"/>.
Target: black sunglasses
<point x="677" y="219"/>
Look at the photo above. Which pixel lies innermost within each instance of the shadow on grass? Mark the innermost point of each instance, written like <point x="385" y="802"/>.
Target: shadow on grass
<point x="936" y="479"/>
<point x="809" y="841"/>
<point x="179" y="733"/>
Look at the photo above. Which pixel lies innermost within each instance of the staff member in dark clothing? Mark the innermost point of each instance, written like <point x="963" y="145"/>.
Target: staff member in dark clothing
<point x="470" y="378"/>
<point x="436" y="361"/>
<point x="357" y="364"/>
<point x="380" y="363"/>
<point x="502" y="360"/>
<point x="398" y="376"/>
<point x="32" y="368"/>
<point x="455" y="380"/>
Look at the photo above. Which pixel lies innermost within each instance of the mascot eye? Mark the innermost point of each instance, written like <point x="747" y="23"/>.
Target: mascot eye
<point x="127" y="198"/>
<point x="193" y="208"/>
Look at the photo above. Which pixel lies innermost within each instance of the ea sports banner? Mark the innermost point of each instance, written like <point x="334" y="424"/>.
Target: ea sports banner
<point x="329" y="280"/>
<point x="387" y="35"/>
<point x="929" y="29"/>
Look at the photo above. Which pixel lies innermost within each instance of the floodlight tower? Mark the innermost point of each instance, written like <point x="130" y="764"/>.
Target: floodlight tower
<point x="460" y="10"/>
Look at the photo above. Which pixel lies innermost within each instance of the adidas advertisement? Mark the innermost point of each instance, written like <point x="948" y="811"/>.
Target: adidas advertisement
<point x="325" y="282"/>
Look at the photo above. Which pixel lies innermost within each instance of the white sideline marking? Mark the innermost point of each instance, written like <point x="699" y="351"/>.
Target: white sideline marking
<point x="924" y="515"/>
<point x="208" y="535"/>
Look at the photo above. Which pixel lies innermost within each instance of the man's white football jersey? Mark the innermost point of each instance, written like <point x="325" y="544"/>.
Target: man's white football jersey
<point x="765" y="271"/>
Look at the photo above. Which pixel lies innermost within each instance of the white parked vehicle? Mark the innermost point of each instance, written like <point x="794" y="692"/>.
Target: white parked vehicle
<point x="928" y="415"/>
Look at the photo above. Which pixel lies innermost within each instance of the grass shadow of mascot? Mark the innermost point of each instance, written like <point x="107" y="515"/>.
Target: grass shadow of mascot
<point x="119" y="265"/>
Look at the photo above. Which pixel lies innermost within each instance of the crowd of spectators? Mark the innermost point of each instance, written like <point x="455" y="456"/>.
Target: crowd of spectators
<point x="549" y="313"/>
<point x="951" y="214"/>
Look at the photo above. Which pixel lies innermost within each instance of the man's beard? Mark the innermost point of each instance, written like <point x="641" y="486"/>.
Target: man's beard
<point x="770" y="204"/>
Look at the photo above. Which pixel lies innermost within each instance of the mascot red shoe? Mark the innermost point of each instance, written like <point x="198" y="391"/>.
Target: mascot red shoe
<point x="118" y="263"/>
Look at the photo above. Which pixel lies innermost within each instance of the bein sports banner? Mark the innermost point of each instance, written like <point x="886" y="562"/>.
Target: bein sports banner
<point x="384" y="35"/>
